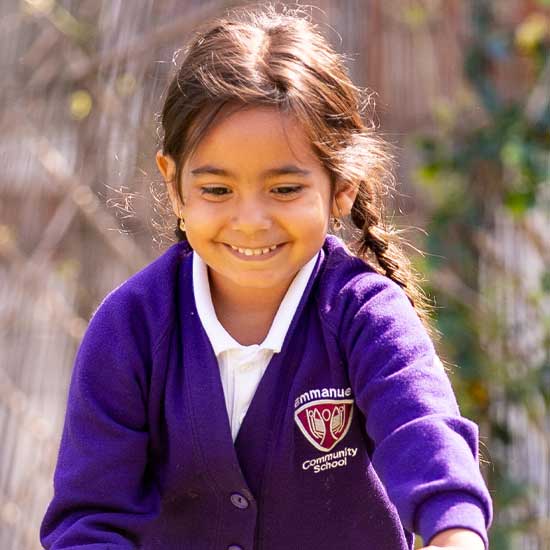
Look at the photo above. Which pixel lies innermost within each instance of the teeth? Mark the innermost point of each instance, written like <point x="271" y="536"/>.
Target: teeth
<point x="254" y="251"/>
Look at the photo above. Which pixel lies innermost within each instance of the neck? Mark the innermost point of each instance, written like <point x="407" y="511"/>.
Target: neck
<point x="245" y="300"/>
<point x="247" y="314"/>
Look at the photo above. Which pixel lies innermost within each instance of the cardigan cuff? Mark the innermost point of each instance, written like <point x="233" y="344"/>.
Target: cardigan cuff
<point x="450" y="510"/>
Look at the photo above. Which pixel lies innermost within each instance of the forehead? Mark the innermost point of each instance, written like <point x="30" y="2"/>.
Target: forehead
<point x="255" y="136"/>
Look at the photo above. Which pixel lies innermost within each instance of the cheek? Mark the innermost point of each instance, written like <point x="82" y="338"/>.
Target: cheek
<point x="200" y="229"/>
<point x="312" y="210"/>
<point x="200" y="213"/>
<point x="310" y="221"/>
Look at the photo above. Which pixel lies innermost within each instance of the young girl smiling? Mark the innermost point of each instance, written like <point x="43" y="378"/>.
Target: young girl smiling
<point x="262" y="385"/>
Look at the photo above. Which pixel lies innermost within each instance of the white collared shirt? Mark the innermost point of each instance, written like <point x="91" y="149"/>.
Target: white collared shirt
<point x="242" y="367"/>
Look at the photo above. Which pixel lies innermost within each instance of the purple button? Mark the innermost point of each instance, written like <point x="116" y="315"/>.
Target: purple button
<point x="234" y="547"/>
<point x="239" y="501"/>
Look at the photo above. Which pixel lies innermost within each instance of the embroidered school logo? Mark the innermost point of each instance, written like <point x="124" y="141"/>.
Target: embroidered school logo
<point x="325" y="422"/>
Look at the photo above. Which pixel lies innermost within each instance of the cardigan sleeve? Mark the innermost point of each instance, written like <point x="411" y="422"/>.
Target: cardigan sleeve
<point x="425" y="452"/>
<point x="104" y="493"/>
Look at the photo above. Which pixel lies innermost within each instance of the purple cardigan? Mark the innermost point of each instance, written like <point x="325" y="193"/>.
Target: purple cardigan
<point x="353" y="439"/>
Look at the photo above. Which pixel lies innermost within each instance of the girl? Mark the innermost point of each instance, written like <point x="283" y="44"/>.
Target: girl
<point x="261" y="385"/>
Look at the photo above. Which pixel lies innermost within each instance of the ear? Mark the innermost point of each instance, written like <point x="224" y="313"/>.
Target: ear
<point x="167" y="168"/>
<point x="345" y="195"/>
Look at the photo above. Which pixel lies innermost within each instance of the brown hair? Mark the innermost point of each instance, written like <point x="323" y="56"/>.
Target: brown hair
<point x="274" y="56"/>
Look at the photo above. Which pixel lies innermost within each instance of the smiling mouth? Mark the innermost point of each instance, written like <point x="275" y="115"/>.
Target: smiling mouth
<point x="253" y="253"/>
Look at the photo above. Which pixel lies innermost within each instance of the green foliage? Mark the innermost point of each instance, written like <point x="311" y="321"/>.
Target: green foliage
<point x="493" y="151"/>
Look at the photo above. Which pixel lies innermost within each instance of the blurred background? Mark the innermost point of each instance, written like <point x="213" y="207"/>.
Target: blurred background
<point x="462" y="90"/>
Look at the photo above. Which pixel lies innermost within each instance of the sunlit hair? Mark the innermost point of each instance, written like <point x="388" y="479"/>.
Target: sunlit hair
<point x="272" y="55"/>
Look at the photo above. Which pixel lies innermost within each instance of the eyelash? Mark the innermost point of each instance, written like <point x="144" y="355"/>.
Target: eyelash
<point x="293" y="189"/>
<point x="212" y="190"/>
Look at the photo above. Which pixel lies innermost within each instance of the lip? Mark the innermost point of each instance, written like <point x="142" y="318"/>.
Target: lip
<point x="253" y="258"/>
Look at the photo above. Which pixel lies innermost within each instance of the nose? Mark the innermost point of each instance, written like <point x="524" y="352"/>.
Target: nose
<point x="250" y="216"/>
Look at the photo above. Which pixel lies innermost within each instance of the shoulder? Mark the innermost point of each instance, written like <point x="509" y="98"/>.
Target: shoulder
<point x="144" y="305"/>
<point x="349" y="286"/>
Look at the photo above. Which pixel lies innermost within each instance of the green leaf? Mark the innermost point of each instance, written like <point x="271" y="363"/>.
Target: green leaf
<point x="518" y="202"/>
<point x="429" y="172"/>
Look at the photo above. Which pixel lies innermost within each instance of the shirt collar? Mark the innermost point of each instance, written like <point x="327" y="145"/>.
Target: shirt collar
<point x="220" y="339"/>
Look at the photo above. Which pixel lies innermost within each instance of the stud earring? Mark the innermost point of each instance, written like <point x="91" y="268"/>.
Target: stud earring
<point x="180" y="230"/>
<point x="336" y="223"/>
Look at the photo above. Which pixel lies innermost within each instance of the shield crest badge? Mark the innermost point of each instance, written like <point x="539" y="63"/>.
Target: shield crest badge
<point x="325" y="422"/>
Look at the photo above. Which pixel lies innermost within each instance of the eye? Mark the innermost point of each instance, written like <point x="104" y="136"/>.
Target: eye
<point x="287" y="190"/>
<point x="215" y="190"/>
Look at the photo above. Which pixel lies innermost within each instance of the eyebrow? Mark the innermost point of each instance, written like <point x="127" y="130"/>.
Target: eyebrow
<point x="272" y="172"/>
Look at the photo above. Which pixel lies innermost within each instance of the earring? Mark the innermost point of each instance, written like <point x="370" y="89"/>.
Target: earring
<point x="180" y="230"/>
<point x="336" y="223"/>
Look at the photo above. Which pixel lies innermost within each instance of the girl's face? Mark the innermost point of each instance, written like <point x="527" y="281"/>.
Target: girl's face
<point x="256" y="200"/>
